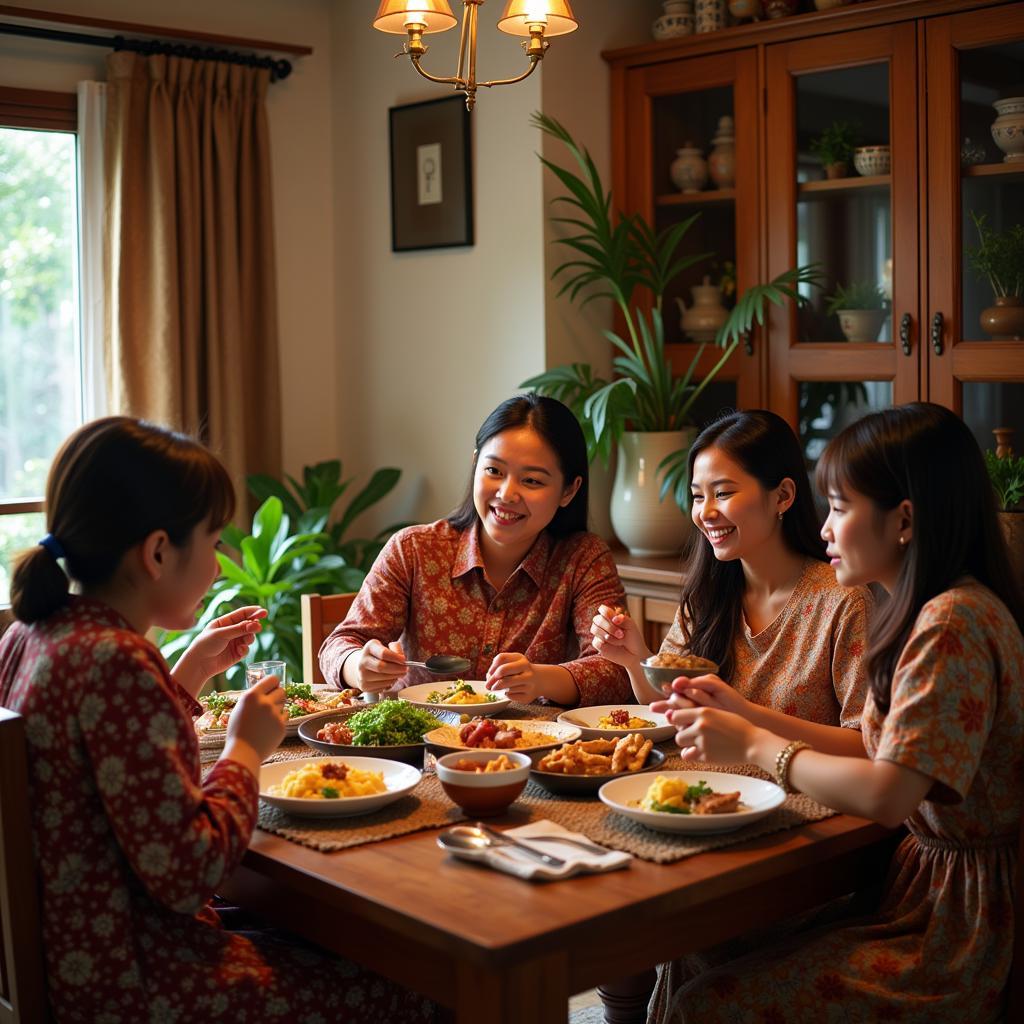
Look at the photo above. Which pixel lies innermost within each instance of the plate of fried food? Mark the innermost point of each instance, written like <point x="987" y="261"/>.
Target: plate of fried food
<point x="610" y="721"/>
<point x="467" y="695"/>
<point x="481" y="733"/>
<point x="343" y="787"/>
<point x="692" y="801"/>
<point x="584" y="766"/>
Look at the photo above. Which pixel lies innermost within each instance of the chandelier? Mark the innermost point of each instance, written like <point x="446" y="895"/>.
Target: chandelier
<point x="536" y="19"/>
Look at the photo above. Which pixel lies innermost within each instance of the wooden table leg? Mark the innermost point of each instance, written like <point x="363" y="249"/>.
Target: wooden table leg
<point x="535" y="992"/>
<point x="625" y="1001"/>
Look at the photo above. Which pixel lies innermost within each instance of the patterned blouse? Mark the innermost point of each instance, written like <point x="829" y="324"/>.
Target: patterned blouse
<point x="428" y="589"/>
<point x="136" y="845"/>
<point x="938" y="950"/>
<point x="808" y="662"/>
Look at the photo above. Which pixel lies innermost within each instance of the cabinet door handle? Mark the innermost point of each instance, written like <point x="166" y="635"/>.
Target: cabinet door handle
<point x="905" y="322"/>
<point x="937" y="333"/>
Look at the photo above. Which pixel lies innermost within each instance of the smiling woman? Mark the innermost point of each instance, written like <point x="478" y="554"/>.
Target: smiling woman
<point x="510" y="580"/>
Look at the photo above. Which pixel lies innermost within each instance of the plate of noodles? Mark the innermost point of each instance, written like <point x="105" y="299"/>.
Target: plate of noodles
<point x="325" y="787"/>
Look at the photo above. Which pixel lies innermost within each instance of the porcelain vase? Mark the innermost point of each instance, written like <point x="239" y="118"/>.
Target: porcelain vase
<point x="689" y="170"/>
<point x="702" y="320"/>
<point x="1004" y="320"/>
<point x="647" y="526"/>
<point x="742" y="9"/>
<point x="1008" y="128"/>
<point x="709" y="15"/>
<point x="722" y="158"/>
<point x="676" y="21"/>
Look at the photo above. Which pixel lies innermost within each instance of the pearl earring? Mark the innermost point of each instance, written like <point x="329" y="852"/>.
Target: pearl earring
<point x="780" y="517"/>
<point x="902" y="542"/>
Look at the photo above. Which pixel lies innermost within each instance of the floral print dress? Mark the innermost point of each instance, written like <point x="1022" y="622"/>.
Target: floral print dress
<point x="939" y="946"/>
<point x="130" y="846"/>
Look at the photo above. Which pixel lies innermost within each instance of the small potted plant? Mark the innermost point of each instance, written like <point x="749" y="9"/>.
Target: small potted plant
<point x="1007" y="475"/>
<point x="834" y="147"/>
<point x="862" y="308"/>
<point x="999" y="258"/>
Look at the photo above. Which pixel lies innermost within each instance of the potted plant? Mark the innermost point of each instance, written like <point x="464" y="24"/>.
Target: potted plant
<point x="999" y="258"/>
<point x="645" y="410"/>
<point x="1007" y="475"/>
<point x="862" y="308"/>
<point x="835" y="146"/>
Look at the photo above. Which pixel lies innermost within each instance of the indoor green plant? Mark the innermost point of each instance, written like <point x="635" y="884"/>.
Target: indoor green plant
<point x="999" y="258"/>
<point x="618" y="257"/>
<point x="1007" y="475"/>
<point x="861" y="307"/>
<point x="834" y="147"/>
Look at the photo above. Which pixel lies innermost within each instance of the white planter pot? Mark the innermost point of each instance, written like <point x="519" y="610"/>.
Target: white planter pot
<point x="647" y="526"/>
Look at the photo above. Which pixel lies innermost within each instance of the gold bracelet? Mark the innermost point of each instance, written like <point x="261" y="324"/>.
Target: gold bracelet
<point x="783" y="760"/>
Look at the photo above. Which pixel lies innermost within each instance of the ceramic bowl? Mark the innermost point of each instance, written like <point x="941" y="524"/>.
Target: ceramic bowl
<point x="661" y="678"/>
<point x="871" y="160"/>
<point x="482" y="794"/>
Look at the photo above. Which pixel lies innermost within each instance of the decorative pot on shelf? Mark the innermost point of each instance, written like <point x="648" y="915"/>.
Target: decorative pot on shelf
<point x="862" y="324"/>
<point x="689" y="170"/>
<point x="1008" y="128"/>
<point x="648" y="526"/>
<point x="780" y="8"/>
<point x="1013" y="530"/>
<point x="742" y="9"/>
<point x="676" y="21"/>
<point x="870" y="160"/>
<point x="1005" y="320"/>
<point x="709" y="15"/>
<point x="722" y="158"/>
<point x="836" y="170"/>
<point x="703" y="319"/>
<point x="971" y="153"/>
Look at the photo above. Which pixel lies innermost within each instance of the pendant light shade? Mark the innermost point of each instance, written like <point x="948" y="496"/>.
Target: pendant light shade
<point x="555" y="15"/>
<point x="396" y="15"/>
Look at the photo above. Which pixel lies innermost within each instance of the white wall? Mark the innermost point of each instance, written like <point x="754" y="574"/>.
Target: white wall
<point x="299" y="111"/>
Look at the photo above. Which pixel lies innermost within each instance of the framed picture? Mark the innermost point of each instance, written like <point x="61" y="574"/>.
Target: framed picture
<point x="431" y="175"/>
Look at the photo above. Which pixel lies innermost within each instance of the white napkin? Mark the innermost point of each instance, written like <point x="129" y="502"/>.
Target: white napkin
<point x="577" y="860"/>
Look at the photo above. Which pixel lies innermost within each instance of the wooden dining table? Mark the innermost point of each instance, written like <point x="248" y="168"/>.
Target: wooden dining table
<point x="495" y="948"/>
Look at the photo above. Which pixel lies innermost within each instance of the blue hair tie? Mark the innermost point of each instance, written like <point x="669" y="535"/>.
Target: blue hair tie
<point x="53" y="546"/>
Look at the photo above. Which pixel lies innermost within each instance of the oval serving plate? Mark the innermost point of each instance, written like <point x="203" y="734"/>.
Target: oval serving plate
<point x="587" y="719"/>
<point x="757" y="798"/>
<point x="409" y="753"/>
<point x="417" y="697"/>
<point x="399" y="779"/>
<point x="588" y="785"/>
<point x="447" y="737"/>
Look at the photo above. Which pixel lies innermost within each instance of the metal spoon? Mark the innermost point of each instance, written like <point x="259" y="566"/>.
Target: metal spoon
<point x="443" y="664"/>
<point x="466" y="837"/>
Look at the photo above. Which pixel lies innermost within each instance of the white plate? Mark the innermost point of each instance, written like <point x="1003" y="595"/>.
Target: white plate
<point x="558" y="733"/>
<point x="399" y="779"/>
<point x="417" y="697"/>
<point x="587" y="719"/>
<point x="756" y="796"/>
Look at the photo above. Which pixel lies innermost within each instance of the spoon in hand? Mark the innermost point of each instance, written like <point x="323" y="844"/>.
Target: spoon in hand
<point x="442" y="664"/>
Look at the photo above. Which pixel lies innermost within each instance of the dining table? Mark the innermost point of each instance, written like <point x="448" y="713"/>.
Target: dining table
<point x="496" y="948"/>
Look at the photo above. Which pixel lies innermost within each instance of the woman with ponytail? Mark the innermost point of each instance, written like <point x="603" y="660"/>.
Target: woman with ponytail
<point x="912" y="509"/>
<point x="137" y="843"/>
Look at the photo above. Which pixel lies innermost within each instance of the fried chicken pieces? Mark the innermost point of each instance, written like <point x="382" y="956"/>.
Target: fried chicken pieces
<point x="598" y="757"/>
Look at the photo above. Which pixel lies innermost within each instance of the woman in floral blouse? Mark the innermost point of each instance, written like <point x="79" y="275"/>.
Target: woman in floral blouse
<point x="912" y="509"/>
<point x="511" y="580"/>
<point x="135" y="843"/>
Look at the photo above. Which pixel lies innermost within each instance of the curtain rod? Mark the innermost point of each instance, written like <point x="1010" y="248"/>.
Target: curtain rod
<point x="147" y="47"/>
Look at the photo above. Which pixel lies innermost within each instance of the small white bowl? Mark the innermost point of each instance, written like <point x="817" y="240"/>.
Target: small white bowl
<point x="399" y="779"/>
<point x="872" y="160"/>
<point x="417" y="697"/>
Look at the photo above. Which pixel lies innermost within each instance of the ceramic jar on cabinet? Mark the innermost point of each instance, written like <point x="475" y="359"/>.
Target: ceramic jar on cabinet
<point x="1008" y="128"/>
<point x="689" y="170"/>
<point x="709" y="15"/>
<point x="722" y="158"/>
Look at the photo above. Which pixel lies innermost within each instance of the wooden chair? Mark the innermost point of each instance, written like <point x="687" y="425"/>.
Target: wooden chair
<point x="320" y="614"/>
<point x="1015" y="986"/>
<point x="22" y="972"/>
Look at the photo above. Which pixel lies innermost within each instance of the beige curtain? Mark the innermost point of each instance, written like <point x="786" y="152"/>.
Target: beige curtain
<point x="189" y="253"/>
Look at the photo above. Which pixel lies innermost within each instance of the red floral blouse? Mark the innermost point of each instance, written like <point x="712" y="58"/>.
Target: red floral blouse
<point x="428" y="589"/>
<point x="136" y="845"/>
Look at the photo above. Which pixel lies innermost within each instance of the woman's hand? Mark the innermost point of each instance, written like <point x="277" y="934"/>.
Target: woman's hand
<point x="224" y="641"/>
<point x="377" y="666"/>
<point x="258" y="719"/>
<point x="617" y="637"/>
<point x="707" y="734"/>
<point x="514" y="673"/>
<point x="709" y="692"/>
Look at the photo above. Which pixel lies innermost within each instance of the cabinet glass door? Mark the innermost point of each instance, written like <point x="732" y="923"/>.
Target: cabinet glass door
<point x="692" y="148"/>
<point x="976" y="218"/>
<point x="842" y="187"/>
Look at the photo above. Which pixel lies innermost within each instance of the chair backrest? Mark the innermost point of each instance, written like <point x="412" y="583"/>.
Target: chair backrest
<point x="1015" y="987"/>
<point x="22" y="973"/>
<point x="320" y="614"/>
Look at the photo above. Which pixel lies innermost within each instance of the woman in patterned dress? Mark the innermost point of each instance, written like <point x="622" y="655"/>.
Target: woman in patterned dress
<point x="912" y="509"/>
<point x="510" y="580"/>
<point x="135" y="843"/>
<point x="758" y="596"/>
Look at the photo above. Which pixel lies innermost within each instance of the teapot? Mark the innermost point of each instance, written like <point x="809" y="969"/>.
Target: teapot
<point x="703" y="319"/>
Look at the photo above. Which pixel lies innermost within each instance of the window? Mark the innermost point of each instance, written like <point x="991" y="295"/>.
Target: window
<point x="40" y="349"/>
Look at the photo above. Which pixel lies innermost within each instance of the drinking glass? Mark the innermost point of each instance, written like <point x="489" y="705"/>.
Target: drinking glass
<point x="258" y="669"/>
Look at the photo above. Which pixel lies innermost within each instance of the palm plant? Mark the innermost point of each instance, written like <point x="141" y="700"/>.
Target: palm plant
<point x="616" y="257"/>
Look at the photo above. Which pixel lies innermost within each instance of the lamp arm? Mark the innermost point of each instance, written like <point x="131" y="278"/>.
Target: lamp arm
<point x="459" y="82"/>
<point x="534" y="61"/>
